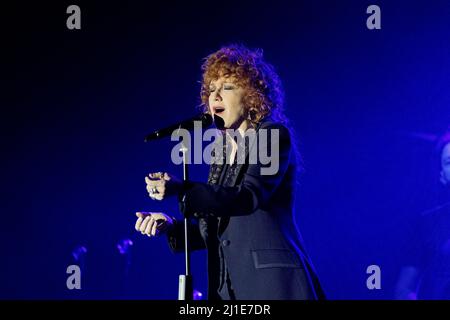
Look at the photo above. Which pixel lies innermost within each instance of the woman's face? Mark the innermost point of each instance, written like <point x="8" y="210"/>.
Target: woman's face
<point x="445" y="165"/>
<point x="225" y="100"/>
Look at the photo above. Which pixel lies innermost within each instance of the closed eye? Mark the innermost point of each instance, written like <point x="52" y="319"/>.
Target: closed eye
<point x="227" y="87"/>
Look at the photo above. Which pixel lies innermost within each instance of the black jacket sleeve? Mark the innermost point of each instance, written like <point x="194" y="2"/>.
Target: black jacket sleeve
<point x="256" y="187"/>
<point x="175" y="236"/>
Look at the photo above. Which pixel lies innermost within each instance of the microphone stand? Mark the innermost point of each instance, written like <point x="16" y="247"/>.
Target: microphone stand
<point x="185" y="289"/>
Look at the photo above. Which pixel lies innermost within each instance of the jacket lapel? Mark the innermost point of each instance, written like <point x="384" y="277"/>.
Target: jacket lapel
<point x="234" y="175"/>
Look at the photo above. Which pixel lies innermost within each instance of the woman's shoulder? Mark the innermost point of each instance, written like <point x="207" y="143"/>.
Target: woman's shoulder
<point x="269" y="124"/>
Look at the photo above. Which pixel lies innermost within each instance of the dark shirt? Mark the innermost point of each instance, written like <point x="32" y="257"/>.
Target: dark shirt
<point x="225" y="289"/>
<point x="216" y="259"/>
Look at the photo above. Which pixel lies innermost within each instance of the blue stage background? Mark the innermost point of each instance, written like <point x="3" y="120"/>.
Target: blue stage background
<point x="78" y="104"/>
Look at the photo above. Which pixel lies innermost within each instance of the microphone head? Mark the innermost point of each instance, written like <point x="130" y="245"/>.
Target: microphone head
<point x="206" y="119"/>
<point x="219" y="122"/>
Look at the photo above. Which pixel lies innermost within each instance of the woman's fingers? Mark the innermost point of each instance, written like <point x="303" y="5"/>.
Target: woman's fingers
<point x="149" y="226"/>
<point x="152" y="223"/>
<point x="155" y="188"/>
<point x="161" y="184"/>
<point x="154" y="183"/>
<point x="158" y="196"/>
<point x="155" y="227"/>
<point x="156" y="192"/>
<point x="141" y="216"/>
<point x="144" y="224"/>
<point x="156" y="175"/>
<point x="166" y="176"/>
<point x="152" y="227"/>
<point x="138" y="221"/>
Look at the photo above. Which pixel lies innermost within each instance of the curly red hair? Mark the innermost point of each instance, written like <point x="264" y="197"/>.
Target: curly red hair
<point x="264" y="93"/>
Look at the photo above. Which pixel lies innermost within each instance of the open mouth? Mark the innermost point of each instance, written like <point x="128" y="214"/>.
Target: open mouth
<point x="219" y="110"/>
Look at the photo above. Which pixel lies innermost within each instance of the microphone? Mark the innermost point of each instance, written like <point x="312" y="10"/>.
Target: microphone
<point x="205" y="118"/>
<point x="219" y="122"/>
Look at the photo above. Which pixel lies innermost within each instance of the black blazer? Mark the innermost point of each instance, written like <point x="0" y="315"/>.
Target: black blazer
<point x="250" y="216"/>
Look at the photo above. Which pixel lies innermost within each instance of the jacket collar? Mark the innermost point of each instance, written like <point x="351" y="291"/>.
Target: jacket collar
<point x="218" y="162"/>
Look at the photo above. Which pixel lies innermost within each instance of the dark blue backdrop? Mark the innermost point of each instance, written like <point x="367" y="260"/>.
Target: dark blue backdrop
<point x="78" y="103"/>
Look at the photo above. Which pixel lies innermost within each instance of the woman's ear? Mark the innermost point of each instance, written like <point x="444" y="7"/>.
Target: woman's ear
<point x="251" y="114"/>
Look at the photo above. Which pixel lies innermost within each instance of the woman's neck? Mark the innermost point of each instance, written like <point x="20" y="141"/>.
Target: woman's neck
<point x="243" y="127"/>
